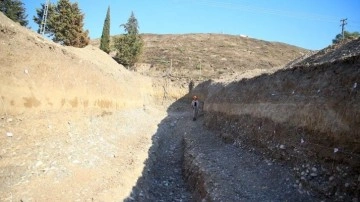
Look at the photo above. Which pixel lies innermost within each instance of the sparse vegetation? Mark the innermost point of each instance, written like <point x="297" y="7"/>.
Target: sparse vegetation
<point x="347" y="36"/>
<point x="14" y="9"/>
<point x="64" y="23"/>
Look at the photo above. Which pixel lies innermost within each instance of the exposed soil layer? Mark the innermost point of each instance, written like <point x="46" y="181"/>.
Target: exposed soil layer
<point x="307" y="116"/>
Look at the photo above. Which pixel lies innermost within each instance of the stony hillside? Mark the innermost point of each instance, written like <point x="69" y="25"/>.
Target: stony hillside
<point x="210" y="56"/>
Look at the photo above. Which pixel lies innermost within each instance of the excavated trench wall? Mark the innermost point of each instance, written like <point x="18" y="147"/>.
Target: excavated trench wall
<point x="308" y="115"/>
<point x="38" y="75"/>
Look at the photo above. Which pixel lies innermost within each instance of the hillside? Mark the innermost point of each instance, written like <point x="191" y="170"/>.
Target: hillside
<point x="210" y="56"/>
<point x="66" y="115"/>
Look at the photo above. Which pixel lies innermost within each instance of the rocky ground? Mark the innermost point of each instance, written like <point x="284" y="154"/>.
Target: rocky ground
<point x="187" y="162"/>
<point x="74" y="156"/>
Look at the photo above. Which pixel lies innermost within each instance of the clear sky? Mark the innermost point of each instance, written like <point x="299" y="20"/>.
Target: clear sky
<point x="310" y="24"/>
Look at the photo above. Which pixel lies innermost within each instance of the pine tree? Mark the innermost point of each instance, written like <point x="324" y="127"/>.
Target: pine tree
<point x="132" y="26"/>
<point x="65" y="24"/>
<point x="14" y="9"/>
<point x="129" y="46"/>
<point x="105" y="37"/>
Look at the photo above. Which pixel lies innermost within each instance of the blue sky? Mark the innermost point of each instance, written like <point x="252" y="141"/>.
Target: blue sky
<point x="310" y="24"/>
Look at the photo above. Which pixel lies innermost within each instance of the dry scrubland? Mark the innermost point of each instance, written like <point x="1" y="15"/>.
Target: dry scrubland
<point x="75" y="125"/>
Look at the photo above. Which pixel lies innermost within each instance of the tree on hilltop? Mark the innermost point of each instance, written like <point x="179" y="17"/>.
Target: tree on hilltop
<point x="129" y="46"/>
<point x="65" y="23"/>
<point x="14" y="9"/>
<point x="347" y="35"/>
<point x="105" y="37"/>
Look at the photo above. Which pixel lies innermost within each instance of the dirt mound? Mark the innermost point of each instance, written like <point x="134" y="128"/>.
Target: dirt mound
<point x="69" y="120"/>
<point x="37" y="74"/>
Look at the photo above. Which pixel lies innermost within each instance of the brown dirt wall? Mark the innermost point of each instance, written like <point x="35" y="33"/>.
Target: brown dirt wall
<point x="307" y="115"/>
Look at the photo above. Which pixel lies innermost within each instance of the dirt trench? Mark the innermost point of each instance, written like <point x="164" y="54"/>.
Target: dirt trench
<point x="187" y="162"/>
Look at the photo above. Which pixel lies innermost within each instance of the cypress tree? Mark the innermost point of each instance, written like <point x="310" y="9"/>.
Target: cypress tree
<point x="14" y="9"/>
<point x="105" y="37"/>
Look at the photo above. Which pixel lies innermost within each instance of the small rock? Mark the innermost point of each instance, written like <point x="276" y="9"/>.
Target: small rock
<point x="314" y="169"/>
<point x="302" y="141"/>
<point x="39" y="163"/>
<point x="347" y="184"/>
<point x="331" y="178"/>
<point x="26" y="71"/>
<point x="282" y="146"/>
<point x="9" y="134"/>
<point x="76" y="162"/>
<point x="336" y="150"/>
<point x="313" y="174"/>
<point x="9" y="120"/>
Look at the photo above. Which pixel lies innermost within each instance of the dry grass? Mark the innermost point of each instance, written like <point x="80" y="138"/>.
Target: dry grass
<point x="210" y="56"/>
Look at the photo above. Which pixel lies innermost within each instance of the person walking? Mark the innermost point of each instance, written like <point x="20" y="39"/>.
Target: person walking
<point x="195" y="107"/>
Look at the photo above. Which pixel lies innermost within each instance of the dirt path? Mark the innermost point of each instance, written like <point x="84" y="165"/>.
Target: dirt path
<point x="215" y="171"/>
<point x="162" y="178"/>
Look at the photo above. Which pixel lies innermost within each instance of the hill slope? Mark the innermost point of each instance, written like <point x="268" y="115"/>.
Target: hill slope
<point x="209" y="56"/>
<point x="66" y="115"/>
<point x="37" y="74"/>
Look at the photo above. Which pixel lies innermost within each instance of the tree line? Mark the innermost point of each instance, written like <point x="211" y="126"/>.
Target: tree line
<point x="65" y="25"/>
